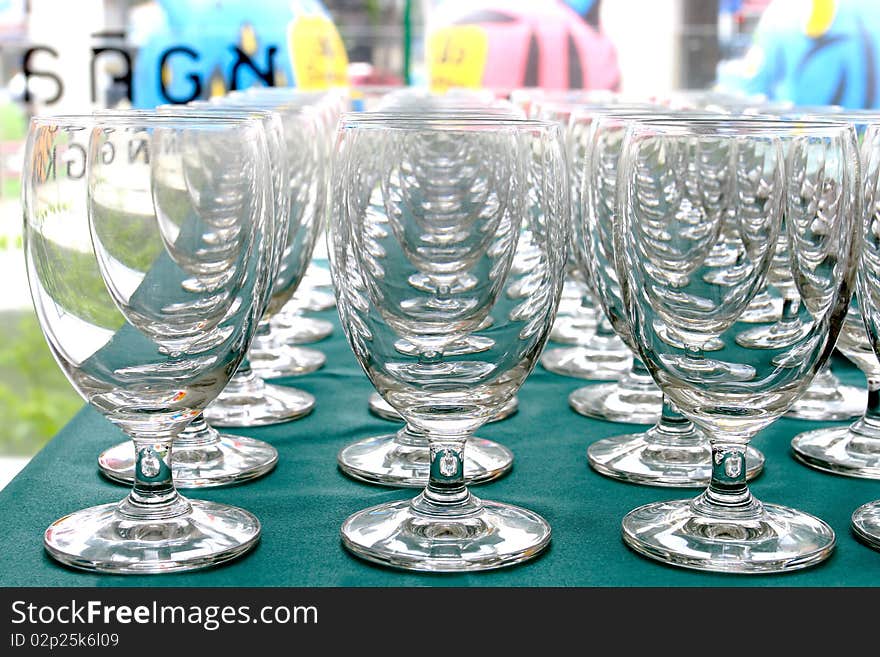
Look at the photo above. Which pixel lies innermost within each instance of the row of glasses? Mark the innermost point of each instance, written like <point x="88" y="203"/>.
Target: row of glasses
<point x="149" y="242"/>
<point x="290" y="325"/>
<point x="866" y="519"/>
<point x="272" y="355"/>
<point x="854" y="450"/>
<point x="597" y="352"/>
<point x="846" y="450"/>
<point x="428" y="215"/>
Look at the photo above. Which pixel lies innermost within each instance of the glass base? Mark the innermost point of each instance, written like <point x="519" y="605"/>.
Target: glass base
<point x="773" y="539"/>
<point x="721" y="255"/>
<point x="404" y="461"/>
<point x="381" y="408"/>
<point x="670" y="338"/>
<point x="842" y="402"/>
<point x="589" y="362"/>
<point x="866" y="524"/>
<point x="639" y="459"/>
<point x="230" y="460"/>
<point x="472" y="536"/>
<point x="775" y="336"/>
<point x="725" y="275"/>
<point x="285" y="360"/>
<point x="573" y="329"/>
<point x="104" y="539"/>
<point x="839" y="450"/>
<point x="763" y="309"/>
<point x="316" y="301"/>
<point x="612" y="402"/>
<point x="298" y="329"/>
<point x="710" y="370"/>
<point x="268" y="404"/>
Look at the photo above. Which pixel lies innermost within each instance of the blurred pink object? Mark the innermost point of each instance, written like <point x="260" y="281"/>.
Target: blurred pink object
<point x="536" y="44"/>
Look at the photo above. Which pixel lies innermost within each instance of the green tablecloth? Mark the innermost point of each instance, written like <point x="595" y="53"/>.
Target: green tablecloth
<point x="303" y="502"/>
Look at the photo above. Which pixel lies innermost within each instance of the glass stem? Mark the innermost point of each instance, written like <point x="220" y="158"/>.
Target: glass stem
<point x="603" y="327"/>
<point x="728" y="489"/>
<point x="153" y="494"/>
<point x="869" y="424"/>
<point x="410" y="436"/>
<point x="638" y="368"/>
<point x="446" y="479"/>
<point x="197" y="434"/>
<point x="790" y="306"/>
<point x="262" y="338"/>
<point x="673" y="425"/>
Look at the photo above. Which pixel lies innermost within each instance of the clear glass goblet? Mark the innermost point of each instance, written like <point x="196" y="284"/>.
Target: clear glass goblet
<point x="427" y="217"/>
<point x="667" y="201"/>
<point x="402" y="458"/>
<point x="866" y="519"/>
<point x="852" y="450"/>
<point x="674" y="452"/>
<point x="147" y="241"/>
<point x="203" y="456"/>
<point x="290" y="326"/>
<point x="632" y="397"/>
<point x="827" y="398"/>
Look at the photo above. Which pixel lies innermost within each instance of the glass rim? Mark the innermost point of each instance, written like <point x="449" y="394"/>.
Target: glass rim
<point x="737" y="125"/>
<point x="861" y="117"/>
<point x="648" y="112"/>
<point x="266" y="104"/>
<point x="585" y="107"/>
<point x="438" y="121"/>
<point x="104" y="117"/>
<point x="210" y="110"/>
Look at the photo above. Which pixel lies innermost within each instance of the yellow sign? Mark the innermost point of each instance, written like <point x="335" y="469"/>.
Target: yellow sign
<point x="318" y="56"/>
<point x="457" y="57"/>
<point x="821" y="17"/>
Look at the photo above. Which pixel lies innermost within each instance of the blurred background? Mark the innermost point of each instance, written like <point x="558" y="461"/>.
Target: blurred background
<point x="64" y="56"/>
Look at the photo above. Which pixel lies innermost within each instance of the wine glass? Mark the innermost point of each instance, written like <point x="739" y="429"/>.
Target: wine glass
<point x="852" y="450"/>
<point x="148" y="243"/>
<point x="204" y="457"/>
<point x="866" y="519"/>
<point x="290" y="325"/>
<point x="427" y="217"/>
<point x="667" y="201"/>
<point x="827" y="398"/>
<point x="673" y="452"/>
<point x="402" y="458"/>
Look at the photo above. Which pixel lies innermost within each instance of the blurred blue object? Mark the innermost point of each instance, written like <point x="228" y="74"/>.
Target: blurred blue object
<point x="581" y="6"/>
<point x="203" y="48"/>
<point x="813" y="52"/>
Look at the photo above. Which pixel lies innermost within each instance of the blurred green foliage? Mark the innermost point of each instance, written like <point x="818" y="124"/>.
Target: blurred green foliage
<point x="74" y="282"/>
<point x="36" y="399"/>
